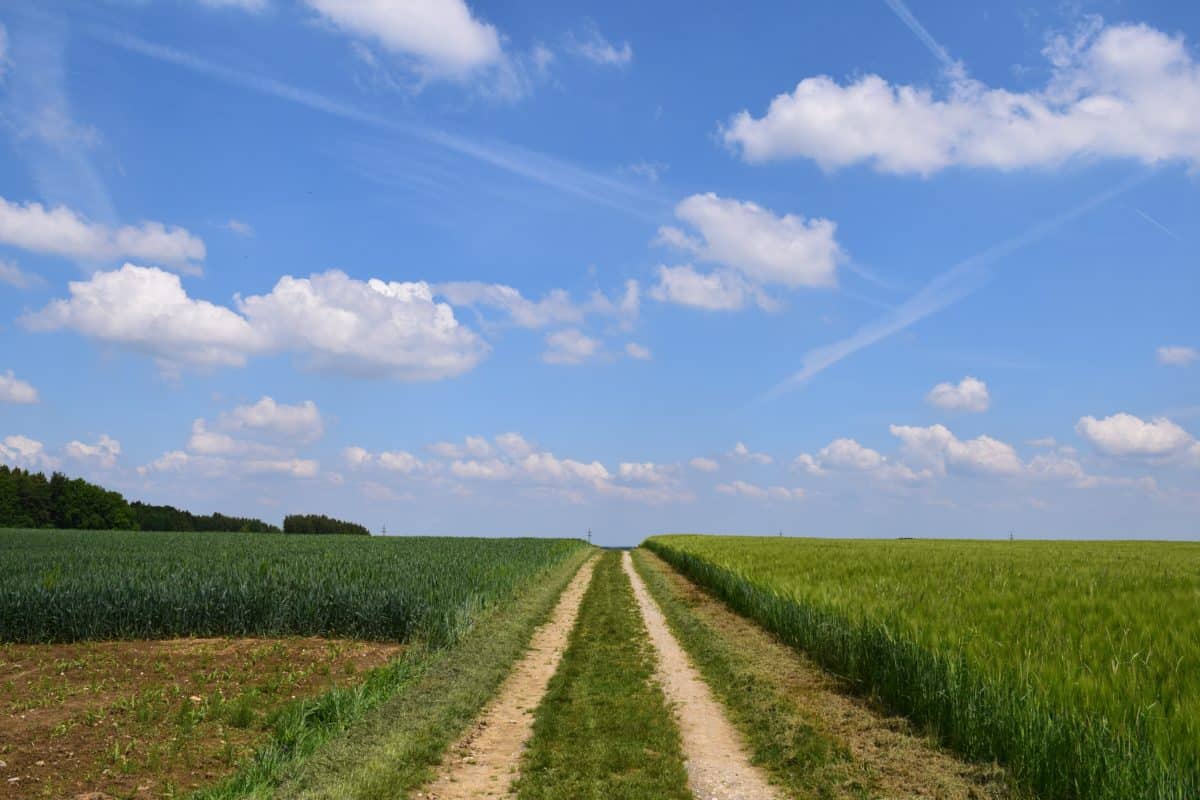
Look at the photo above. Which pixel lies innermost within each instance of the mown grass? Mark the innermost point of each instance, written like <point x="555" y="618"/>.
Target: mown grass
<point x="1075" y="664"/>
<point x="384" y="741"/>
<point x="782" y="738"/>
<point x="64" y="586"/>
<point x="603" y="730"/>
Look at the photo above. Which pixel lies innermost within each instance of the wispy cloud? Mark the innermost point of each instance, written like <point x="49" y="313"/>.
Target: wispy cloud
<point x="961" y="280"/>
<point x="538" y="167"/>
<point x="926" y="38"/>
<point x="1155" y="223"/>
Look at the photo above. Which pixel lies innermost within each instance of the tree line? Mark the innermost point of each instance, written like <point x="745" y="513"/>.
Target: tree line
<point x="31" y="500"/>
<point x="319" y="523"/>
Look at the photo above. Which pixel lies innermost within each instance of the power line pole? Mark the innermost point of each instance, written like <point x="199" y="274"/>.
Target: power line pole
<point x="589" y="535"/>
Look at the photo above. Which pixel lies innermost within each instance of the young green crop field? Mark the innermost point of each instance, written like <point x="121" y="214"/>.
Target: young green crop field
<point x="1077" y="664"/>
<point x="65" y="586"/>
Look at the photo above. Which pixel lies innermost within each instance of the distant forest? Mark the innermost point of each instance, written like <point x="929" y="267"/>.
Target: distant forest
<point x="31" y="500"/>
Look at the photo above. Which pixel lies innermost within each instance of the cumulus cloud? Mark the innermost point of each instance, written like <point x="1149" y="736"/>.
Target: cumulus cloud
<point x="555" y="308"/>
<point x="570" y="347"/>
<point x="300" y="423"/>
<point x="760" y="246"/>
<point x="16" y="391"/>
<point x="62" y="232"/>
<point x="1120" y="91"/>
<point x="18" y="278"/>
<point x="368" y="328"/>
<point x="103" y="453"/>
<point x="704" y="464"/>
<point x="595" y="48"/>
<point x="719" y="290"/>
<point x="440" y="40"/>
<point x="969" y="394"/>
<point x="472" y="447"/>
<point x="848" y="455"/>
<point x="290" y="467"/>
<point x="21" y="451"/>
<point x="1177" y="355"/>
<point x="147" y="309"/>
<point x="1124" y="435"/>
<point x="743" y="489"/>
<point x="937" y="447"/>
<point x="742" y="453"/>
<point x="206" y="442"/>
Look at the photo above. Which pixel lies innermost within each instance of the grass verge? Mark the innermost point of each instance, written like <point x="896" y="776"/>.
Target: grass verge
<point x="396" y="724"/>
<point x="745" y="678"/>
<point x="603" y="729"/>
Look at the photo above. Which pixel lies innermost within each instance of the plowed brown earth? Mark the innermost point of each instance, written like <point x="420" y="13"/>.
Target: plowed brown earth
<point x="152" y="719"/>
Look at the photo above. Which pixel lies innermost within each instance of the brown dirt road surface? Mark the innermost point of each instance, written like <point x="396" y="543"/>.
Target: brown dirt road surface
<point x="718" y="765"/>
<point x="484" y="763"/>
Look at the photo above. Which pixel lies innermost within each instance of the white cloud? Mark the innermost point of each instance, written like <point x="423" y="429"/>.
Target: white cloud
<point x="650" y="170"/>
<point x="969" y="394"/>
<point x="172" y="461"/>
<point x="937" y="447"/>
<point x="369" y="328"/>
<point x="595" y="48"/>
<point x="570" y="347"/>
<point x="1177" y="355"/>
<point x="291" y="467"/>
<point x="16" y="391"/>
<point x="243" y="229"/>
<point x="205" y="442"/>
<point x="1124" y="435"/>
<point x="1122" y="91"/>
<point x="719" y="290"/>
<point x="704" y="464"/>
<point x="400" y="461"/>
<point x="253" y="6"/>
<point x="492" y="469"/>
<point x="299" y="423"/>
<point x="555" y="308"/>
<point x="645" y="472"/>
<point x="766" y="249"/>
<point x="743" y="453"/>
<point x="18" y="278"/>
<point x="638" y="352"/>
<point x="21" y="451"/>
<point x="147" y="309"/>
<point x="443" y="39"/>
<point x="60" y="231"/>
<point x="848" y="455"/>
<point x="514" y="445"/>
<point x="374" y="328"/>
<point x="356" y="456"/>
<point x="103" y="453"/>
<point x="743" y="489"/>
<point x="473" y="447"/>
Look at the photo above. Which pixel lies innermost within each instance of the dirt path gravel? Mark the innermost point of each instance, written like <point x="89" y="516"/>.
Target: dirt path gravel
<point x="484" y="762"/>
<point x="717" y="762"/>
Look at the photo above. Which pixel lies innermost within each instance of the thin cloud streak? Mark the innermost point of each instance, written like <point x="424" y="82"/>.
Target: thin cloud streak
<point x="531" y="165"/>
<point x="961" y="280"/>
<point x="914" y="25"/>
<point x="1156" y="223"/>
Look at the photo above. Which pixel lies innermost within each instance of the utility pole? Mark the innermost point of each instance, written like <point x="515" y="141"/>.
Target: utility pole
<point x="589" y="535"/>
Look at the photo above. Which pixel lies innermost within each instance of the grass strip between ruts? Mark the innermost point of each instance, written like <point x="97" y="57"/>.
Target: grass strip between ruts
<point x="603" y="730"/>
<point x="781" y="738"/>
<point x="395" y="725"/>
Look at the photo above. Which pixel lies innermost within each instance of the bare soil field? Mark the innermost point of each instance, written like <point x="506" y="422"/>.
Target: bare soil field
<point x="153" y="718"/>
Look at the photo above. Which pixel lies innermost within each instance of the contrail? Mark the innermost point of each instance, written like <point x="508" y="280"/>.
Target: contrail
<point x="1156" y="223"/>
<point x="953" y="285"/>
<point x="914" y="25"/>
<point x="529" y="164"/>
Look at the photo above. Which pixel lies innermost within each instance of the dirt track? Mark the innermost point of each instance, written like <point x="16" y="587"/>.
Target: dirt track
<point x="485" y="761"/>
<point x="717" y="763"/>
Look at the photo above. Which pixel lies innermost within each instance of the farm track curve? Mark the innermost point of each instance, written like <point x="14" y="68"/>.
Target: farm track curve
<point x="485" y="761"/>
<point x="718" y="764"/>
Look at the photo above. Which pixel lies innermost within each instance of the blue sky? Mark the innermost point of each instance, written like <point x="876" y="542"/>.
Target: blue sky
<point x="857" y="269"/>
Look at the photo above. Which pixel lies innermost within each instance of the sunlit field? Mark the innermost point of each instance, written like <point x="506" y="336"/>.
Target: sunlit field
<point x="1076" y="663"/>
